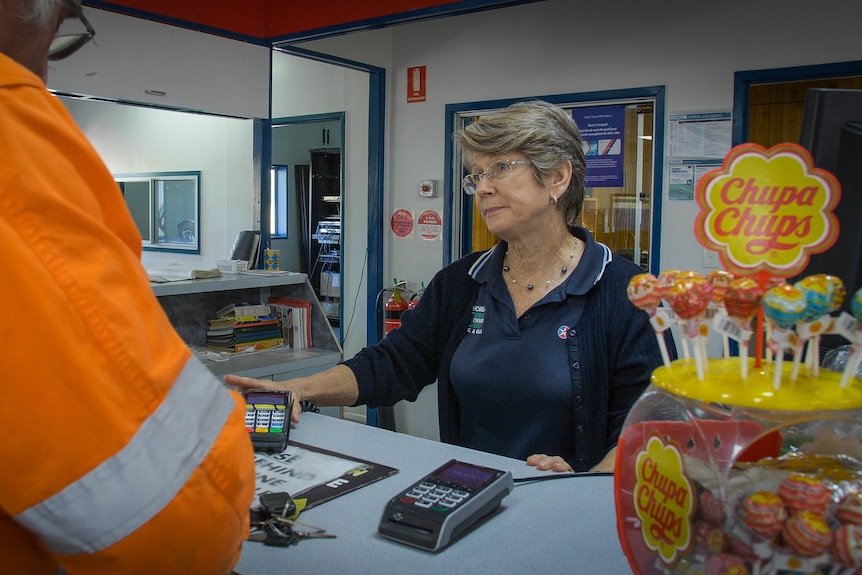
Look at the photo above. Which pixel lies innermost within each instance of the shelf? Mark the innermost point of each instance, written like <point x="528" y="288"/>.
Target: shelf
<point x="274" y="361"/>
<point x="189" y="304"/>
<point x="225" y="282"/>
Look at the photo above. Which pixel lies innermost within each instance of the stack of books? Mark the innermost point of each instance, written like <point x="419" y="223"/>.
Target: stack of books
<point x="244" y="327"/>
<point x="295" y="317"/>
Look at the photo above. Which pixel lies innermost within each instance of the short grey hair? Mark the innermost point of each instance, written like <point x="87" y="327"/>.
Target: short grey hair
<point x="38" y="12"/>
<point x="544" y="133"/>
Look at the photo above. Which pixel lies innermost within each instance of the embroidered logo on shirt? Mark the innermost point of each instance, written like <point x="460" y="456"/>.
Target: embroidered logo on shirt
<point x="563" y="332"/>
<point x="477" y="321"/>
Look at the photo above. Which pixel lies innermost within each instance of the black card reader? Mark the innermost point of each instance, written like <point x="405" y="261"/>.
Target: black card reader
<point x="267" y="418"/>
<point x="435" y="510"/>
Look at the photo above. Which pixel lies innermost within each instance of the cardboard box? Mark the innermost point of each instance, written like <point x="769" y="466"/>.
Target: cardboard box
<point x="330" y="284"/>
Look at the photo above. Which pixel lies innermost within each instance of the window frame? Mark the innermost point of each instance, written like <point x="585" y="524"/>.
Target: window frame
<point x="157" y="220"/>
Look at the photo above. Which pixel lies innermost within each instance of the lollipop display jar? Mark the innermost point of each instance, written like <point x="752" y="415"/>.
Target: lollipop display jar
<point x="749" y="463"/>
<point x="727" y="476"/>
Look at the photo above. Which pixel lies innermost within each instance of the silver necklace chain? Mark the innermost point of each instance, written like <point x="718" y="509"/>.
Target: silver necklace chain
<point x="530" y="286"/>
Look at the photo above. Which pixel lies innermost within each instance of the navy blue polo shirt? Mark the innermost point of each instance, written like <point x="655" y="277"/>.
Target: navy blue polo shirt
<point x="512" y="375"/>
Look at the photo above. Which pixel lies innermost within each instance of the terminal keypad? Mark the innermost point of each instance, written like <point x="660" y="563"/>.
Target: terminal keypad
<point x="435" y="494"/>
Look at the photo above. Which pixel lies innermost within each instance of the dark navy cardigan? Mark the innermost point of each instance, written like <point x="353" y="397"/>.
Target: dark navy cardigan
<point x="612" y="351"/>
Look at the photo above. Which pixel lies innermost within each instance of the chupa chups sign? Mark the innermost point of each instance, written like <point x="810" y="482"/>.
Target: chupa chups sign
<point x="767" y="210"/>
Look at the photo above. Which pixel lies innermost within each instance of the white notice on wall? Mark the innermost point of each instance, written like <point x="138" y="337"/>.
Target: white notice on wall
<point x="701" y="134"/>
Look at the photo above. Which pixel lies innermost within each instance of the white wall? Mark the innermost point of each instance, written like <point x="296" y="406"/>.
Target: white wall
<point x="301" y="87"/>
<point x="196" y="71"/>
<point x="135" y="139"/>
<point x="559" y="47"/>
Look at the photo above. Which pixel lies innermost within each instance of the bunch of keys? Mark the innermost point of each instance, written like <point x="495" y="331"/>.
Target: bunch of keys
<point x="272" y="524"/>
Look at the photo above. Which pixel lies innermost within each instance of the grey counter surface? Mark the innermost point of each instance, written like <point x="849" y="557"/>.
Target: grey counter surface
<point x="558" y="526"/>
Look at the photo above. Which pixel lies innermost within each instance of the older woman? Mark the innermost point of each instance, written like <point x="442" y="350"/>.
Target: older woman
<point x="537" y="352"/>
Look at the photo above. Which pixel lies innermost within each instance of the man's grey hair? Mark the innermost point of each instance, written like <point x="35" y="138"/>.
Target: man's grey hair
<point x="38" y="12"/>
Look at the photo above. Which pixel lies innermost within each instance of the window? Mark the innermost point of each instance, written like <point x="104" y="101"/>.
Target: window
<point x="622" y="207"/>
<point x="165" y="207"/>
<point x="278" y="201"/>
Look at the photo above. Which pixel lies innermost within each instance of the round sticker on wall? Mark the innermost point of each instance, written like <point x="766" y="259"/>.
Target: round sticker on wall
<point x="402" y="223"/>
<point x="430" y="224"/>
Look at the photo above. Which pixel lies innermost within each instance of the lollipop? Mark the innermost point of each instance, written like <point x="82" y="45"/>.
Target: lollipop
<point x="726" y="564"/>
<point x="689" y="298"/>
<point x="769" y="282"/>
<point x="720" y="281"/>
<point x="804" y="493"/>
<point x="644" y="292"/>
<point x="666" y="280"/>
<point x="848" y="545"/>
<point x="742" y="301"/>
<point x="807" y="533"/>
<point x="763" y="512"/>
<point x="850" y="509"/>
<point x="839" y="292"/>
<point x="783" y="306"/>
<point x="711" y="507"/>
<point x="856" y="354"/>
<point x="818" y="298"/>
<point x="709" y="538"/>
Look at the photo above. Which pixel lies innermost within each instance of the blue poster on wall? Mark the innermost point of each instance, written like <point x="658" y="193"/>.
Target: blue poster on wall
<point x="602" y="129"/>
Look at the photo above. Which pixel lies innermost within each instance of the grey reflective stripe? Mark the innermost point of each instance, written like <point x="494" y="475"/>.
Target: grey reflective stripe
<point x="127" y="490"/>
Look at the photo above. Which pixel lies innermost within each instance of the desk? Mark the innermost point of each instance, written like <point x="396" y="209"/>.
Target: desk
<point x="563" y="525"/>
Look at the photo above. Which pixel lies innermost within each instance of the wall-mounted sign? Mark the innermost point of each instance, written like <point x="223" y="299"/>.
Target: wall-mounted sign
<point x="416" y="84"/>
<point x="430" y="224"/>
<point x="602" y="129"/>
<point x="401" y="223"/>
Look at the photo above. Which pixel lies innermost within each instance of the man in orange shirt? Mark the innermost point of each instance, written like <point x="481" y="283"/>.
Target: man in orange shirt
<point x="121" y="453"/>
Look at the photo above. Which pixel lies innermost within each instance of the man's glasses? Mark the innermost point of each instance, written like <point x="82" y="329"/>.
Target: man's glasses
<point x="67" y="44"/>
<point x="498" y="171"/>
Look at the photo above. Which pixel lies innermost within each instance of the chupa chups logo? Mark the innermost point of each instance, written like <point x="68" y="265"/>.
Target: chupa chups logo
<point x="663" y="500"/>
<point x="767" y="210"/>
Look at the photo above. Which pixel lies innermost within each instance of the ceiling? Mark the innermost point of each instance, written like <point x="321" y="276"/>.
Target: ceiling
<point x="283" y="21"/>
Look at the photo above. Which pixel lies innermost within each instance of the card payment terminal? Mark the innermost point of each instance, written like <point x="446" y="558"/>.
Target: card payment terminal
<point x="438" y="508"/>
<point x="267" y="418"/>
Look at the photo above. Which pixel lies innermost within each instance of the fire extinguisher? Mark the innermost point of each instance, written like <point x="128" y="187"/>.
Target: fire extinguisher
<point x="395" y="305"/>
<point x="414" y="299"/>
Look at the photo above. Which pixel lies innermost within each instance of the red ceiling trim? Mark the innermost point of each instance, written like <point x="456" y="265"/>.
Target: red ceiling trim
<point x="262" y="19"/>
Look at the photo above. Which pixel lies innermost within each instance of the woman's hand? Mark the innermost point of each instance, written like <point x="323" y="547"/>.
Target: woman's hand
<point x="544" y="462"/>
<point x="252" y="383"/>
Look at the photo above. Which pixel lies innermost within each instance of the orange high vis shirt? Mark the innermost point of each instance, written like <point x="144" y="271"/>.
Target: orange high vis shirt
<point x="121" y="452"/>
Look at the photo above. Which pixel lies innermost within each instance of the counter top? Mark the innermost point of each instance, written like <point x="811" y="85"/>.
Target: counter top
<point x="563" y="525"/>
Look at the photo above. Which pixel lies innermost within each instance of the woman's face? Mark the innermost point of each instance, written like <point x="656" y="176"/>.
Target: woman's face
<point x="515" y="206"/>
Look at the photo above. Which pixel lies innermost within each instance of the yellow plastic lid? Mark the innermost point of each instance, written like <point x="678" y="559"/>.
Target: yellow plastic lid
<point x="723" y="383"/>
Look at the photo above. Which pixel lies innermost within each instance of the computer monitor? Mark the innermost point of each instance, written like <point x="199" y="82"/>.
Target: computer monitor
<point x="832" y="132"/>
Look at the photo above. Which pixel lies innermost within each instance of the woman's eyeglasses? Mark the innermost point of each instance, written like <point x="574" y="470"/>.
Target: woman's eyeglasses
<point x="498" y="171"/>
<point x="67" y="44"/>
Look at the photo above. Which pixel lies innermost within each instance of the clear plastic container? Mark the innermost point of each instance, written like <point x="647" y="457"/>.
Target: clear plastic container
<point x="732" y="476"/>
